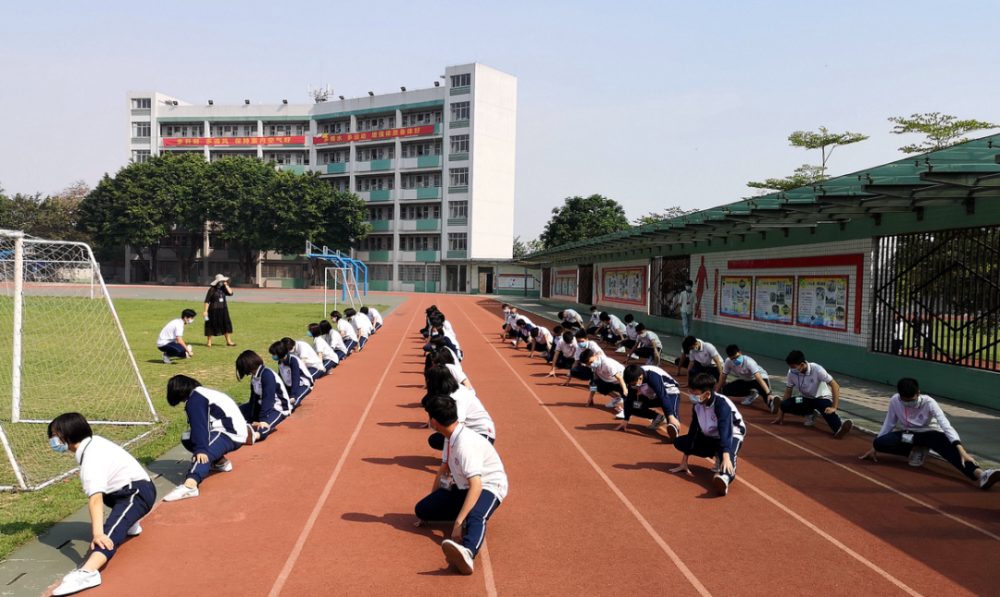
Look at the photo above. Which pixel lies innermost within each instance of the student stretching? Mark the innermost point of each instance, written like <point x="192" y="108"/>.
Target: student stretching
<point x="571" y="320"/>
<point x="110" y="477"/>
<point x="269" y="403"/>
<point x="579" y="370"/>
<point x="217" y="427"/>
<point x="925" y="428"/>
<point x="346" y="331"/>
<point x="541" y="340"/>
<point x="819" y="393"/>
<point x="309" y="357"/>
<point x="171" y="340"/>
<point x="441" y="328"/>
<point x="565" y="353"/>
<point x="509" y="321"/>
<point x="611" y="329"/>
<point x="651" y="387"/>
<point x="595" y="322"/>
<point x="752" y="380"/>
<point x="443" y="356"/>
<point x="294" y="374"/>
<point x="523" y="327"/>
<point x="607" y="379"/>
<point x="471" y="412"/>
<point x="468" y="488"/>
<point x="373" y="316"/>
<point x="649" y="345"/>
<point x="702" y="358"/>
<point x="324" y="351"/>
<point x="717" y="430"/>
<point x="361" y="324"/>
<point x="631" y="336"/>
<point x="426" y="330"/>
<point x="334" y="339"/>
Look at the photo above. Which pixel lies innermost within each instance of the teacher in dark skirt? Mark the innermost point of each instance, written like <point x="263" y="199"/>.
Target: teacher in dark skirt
<point x="217" y="322"/>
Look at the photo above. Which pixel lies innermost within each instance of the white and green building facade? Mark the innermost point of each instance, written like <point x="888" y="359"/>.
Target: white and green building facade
<point x="435" y="166"/>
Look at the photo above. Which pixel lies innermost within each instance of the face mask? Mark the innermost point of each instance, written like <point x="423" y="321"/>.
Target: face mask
<point x="310" y="334"/>
<point x="687" y="288"/>
<point x="738" y="360"/>
<point x="581" y="344"/>
<point x="696" y="399"/>
<point x="274" y="358"/>
<point x="188" y="322"/>
<point x="911" y="403"/>
<point x="58" y="445"/>
<point x="506" y="311"/>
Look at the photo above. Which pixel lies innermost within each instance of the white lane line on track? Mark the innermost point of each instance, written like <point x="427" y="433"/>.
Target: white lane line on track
<point x="286" y="570"/>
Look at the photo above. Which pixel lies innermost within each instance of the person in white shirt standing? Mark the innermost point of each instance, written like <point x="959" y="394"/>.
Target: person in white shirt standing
<point x="468" y="488"/>
<point x="818" y="393"/>
<point x="110" y="477"/>
<point x="686" y="300"/>
<point x="171" y="340"/>
<point x="751" y="382"/>
<point x="925" y="428"/>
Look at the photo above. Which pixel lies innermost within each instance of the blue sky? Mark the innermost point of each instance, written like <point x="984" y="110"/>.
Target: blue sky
<point x="653" y="104"/>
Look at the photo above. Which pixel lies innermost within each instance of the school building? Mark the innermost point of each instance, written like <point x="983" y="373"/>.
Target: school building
<point x="435" y="165"/>
<point x="890" y="272"/>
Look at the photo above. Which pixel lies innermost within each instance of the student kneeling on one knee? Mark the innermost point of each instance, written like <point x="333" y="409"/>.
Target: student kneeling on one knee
<point x="752" y="380"/>
<point x="269" y="403"/>
<point x="651" y="387"/>
<point x="468" y="488"/>
<point x="702" y="357"/>
<point x="110" y="477"/>
<point x="925" y="428"/>
<point x="819" y="393"/>
<point x="717" y="430"/>
<point x="171" y="339"/>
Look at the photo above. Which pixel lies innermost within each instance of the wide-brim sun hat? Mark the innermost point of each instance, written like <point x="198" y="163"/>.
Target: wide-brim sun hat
<point x="218" y="278"/>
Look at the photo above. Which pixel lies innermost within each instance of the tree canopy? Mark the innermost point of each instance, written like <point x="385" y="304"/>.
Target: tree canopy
<point x="807" y="174"/>
<point x="583" y="217"/>
<point x="940" y="130"/>
<point x="667" y="214"/>
<point x="523" y="249"/>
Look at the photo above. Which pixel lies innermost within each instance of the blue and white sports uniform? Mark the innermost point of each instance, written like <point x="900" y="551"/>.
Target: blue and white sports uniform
<point x="658" y="389"/>
<point x="217" y="427"/>
<point x="269" y="402"/>
<point x="717" y="428"/>
<point x="296" y="378"/>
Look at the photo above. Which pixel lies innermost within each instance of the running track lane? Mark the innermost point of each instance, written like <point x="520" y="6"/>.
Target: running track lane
<point x="913" y="549"/>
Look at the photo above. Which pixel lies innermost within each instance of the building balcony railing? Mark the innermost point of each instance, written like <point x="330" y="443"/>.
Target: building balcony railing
<point x="367" y="256"/>
<point x="458" y="221"/>
<point x="419" y="225"/>
<point x="421" y="193"/>
<point x="458" y="190"/>
<point x="458" y="124"/>
<point x="373" y="166"/>
<point x="378" y="195"/>
<point x="456" y="254"/>
<point x="464" y="90"/>
<point x="381" y="225"/>
<point x="420" y="256"/>
<point x="424" y="161"/>
<point x="458" y="157"/>
<point x="334" y="168"/>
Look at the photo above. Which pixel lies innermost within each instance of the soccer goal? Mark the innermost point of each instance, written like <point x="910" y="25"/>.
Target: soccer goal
<point x="340" y="280"/>
<point x="67" y="352"/>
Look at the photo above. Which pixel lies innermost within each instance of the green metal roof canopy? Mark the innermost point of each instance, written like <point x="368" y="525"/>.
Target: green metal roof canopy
<point x="955" y="175"/>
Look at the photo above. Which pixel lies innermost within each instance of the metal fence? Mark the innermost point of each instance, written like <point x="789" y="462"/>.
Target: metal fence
<point x="937" y="296"/>
<point x="668" y="277"/>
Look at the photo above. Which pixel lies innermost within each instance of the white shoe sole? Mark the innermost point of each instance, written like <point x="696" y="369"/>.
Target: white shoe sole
<point x="455" y="554"/>
<point x="172" y="497"/>
<point x="720" y="485"/>
<point x="135" y="531"/>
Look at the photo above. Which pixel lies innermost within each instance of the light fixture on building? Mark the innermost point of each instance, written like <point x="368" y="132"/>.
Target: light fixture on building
<point x="402" y="88"/>
<point x="211" y="103"/>
<point x="175" y="102"/>
<point x="341" y="97"/>
<point x="247" y="102"/>
<point x="371" y="94"/>
<point x="284" y="102"/>
<point x="437" y="84"/>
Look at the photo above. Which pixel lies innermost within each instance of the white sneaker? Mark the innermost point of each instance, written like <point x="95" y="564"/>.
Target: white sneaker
<point x="621" y="350"/>
<point x="753" y="395"/>
<point x="810" y="419"/>
<point x="657" y="421"/>
<point x="620" y="415"/>
<point x="225" y="467"/>
<point x="78" y="580"/>
<point x="513" y="343"/>
<point x="190" y="351"/>
<point x="458" y="555"/>
<point x="166" y="360"/>
<point x="630" y="357"/>
<point x="918" y="455"/>
<point x="721" y="483"/>
<point x="181" y="492"/>
<point x="134" y="530"/>
<point x="987" y="480"/>
<point x="614" y="402"/>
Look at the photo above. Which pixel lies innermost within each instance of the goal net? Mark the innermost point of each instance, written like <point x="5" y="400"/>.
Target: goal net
<point x="65" y="351"/>
<point x="340" y="282"/>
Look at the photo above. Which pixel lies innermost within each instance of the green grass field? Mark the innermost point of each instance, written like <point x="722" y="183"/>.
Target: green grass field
<point x="25" y="515"/>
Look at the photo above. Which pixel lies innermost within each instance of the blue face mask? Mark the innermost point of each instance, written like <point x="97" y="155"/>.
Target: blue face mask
<point x="58" y="445"/>
<point x="274" y="357"/>
<point x="581" y="344"/>
<point x="687" y="288"/>
<point x="188" y="322"/>
<point x="310" y="334"/>
<point x="696" y="399"/>
<point x="738" y="360"/>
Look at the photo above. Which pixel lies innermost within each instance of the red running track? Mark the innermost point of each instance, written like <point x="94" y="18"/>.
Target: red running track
<point x="325" y="506"/>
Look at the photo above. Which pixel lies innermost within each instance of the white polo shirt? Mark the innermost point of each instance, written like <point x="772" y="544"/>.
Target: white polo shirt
<point x="511" y="319"/>
<point x="590" y="344"/>
<point x="606" y="368"/>
<point x="170" y="332"/>
<point x="616" y="324"/>
<point x="527" y="322"/>
<point x="346" y="329"/>
<point x="471" y="455"/>
<point x="812" y="383"/>
<point x="630" y="330"/>
<point x="105" y="467"/>
<point x="307" y="355"/>
<point x="324" y="350"/>
<point x="595" y="319"/>
<point x="648" y="338"/>
<point x="544" y="333"/>
<point x="744" y="371"/>
<point x="686" y="298"/>
<point x="705" y="354"/>
<point x="472" y="412"/>
<point x="569" y="316"/>
<point x="362" y="325"/>
<point x="374" y="316"/>
<point x="335" y="341"/>
<point x="568" y="350"/>
<point x="458" y="373"/>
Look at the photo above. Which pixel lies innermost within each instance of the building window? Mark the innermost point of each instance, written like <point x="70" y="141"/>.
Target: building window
<point x="140" y="156"/>
<point x="141" y="129"/>
<point x="458" y="241"/>
<point x="380" y="213"/>
<point x="461" y="80"/>
<point x="420" y="212"/>
<point x="460" y="111"/>
<point x="416" y="150"/>
<point x="377" y="243"/>
<point x="421" y="181"/>
<point x="141" y="103"/>
<point x="376" y="124"/>
<point x="369" y="154"/>
<point x="250" y="130"/>
<point x="421" y="118"/>
<point x="459" y="144"/>
<point x="374" y="183"/>
<point x="459" y="177"/>
<point x="458" y="209"/>
<point x="379" y="272"/>
<point x="295" y="158"/>
<point x="335" y="157"/>
<point x="337" y="128"/>
<point x="411" y="273"/>
<point x="420" y="243"/>
<point x="276" y="130"/>
<point x="341" y="185"/>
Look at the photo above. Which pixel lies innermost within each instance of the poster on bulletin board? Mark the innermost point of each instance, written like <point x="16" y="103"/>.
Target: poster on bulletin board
<point x="565" y="283"/>
<point x="735" y="296"/>
<point x="823" y="302"/>
<point x="774" y="298"/>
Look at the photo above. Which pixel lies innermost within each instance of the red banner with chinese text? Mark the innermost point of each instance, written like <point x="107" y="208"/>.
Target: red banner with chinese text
<point x="374" y="135"/>
<point x="235" y="141"/>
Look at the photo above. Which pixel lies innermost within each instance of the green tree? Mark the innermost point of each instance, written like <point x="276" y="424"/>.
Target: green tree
<point x="940" y="130"/>
<point x="803" y="176"/>
<point x="583" y="217"/>
<point x="667" y="214"/>
<point x="806" y="175"/>
<point x="523" y="249"/>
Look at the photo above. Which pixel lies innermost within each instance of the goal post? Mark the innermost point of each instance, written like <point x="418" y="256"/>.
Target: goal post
<point x="342" y="280"/>
<point x="68" y="353"/>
